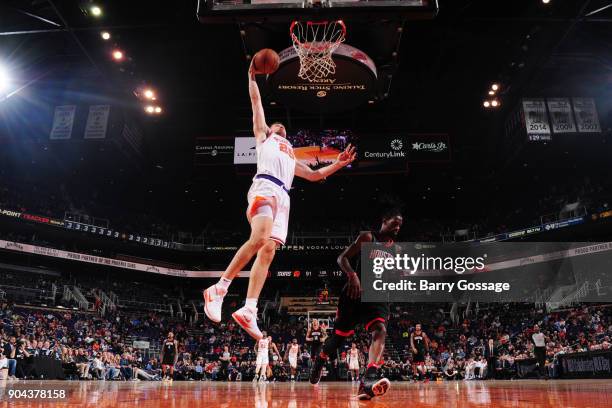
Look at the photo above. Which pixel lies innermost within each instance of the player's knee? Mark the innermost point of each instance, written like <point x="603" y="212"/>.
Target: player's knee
<point x="258" y="241"/>
<point x="267" y="250"/>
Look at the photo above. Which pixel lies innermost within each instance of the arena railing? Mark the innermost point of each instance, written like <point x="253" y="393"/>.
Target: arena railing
<point x="153" y="307"/>
<point x="24" y="293"/>
<point x="80" y="298"/>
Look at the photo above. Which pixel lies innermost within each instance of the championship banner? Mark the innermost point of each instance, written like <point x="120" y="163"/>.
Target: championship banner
<point x="63" y="120"/>
<point x="586" y="115"/>
<point x="212" y="151"/>
<point x="428" y="148"/>
<point x="99" y="260"/>
<point x="536" y="120"/>
<point x="244" y="150"/>
<point x="97" y="122"/>
<point x="561" y="116"/>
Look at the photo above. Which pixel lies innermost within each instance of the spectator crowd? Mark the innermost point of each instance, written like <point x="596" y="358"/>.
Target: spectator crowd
<point x="486" y="343"/>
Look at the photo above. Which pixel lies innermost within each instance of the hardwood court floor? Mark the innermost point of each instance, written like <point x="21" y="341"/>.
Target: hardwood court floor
<point x="525" y="393"/>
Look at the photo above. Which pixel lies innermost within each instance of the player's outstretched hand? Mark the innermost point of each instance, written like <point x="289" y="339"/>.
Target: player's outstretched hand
<point x="347" y="156"/>
<point x="354" y="287"/>
<point x="251" y="71"/>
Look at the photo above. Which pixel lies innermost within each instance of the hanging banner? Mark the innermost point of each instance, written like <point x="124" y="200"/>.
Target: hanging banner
<point x="63" y="120"/>
<point x="117" y="263"/>
<point x="586" y="115"/>
<point x="536" y="120"/>
<point x="561" y="117"/>
<point x="97" y="122"/>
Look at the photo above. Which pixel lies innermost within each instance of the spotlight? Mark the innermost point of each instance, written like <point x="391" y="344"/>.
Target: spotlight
<point x="4" y="79"/>
<point x="96" y="11"/>
<point x="149" y="94"/>
<point x="158" y="109"/>
<point x="495" y="103"/>
<point x="491" y="92"/>
<point x="105" y="35"/>
<point x="486" y="104"/>
<point x="495" y="87"/>
<point x="150" y="109"/>
<point x="117" y="55"/>
<point x="545" y="1"/>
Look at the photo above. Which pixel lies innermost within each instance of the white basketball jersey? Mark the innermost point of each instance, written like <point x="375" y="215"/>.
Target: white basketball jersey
<point x="263" y="345"/>
<point x="354" y="355"/>
<point x="275" y="157"/>
<point x="293" y="350"/>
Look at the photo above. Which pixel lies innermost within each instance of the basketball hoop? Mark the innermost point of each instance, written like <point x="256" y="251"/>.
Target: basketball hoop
<point x="314" y="43"/>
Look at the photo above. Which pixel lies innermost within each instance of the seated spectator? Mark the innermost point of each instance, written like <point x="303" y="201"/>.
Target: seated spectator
<point x="450" y="371"/>
<point x="97" y="368"/>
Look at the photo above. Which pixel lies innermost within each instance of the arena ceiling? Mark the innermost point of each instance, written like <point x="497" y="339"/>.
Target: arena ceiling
<point x="446" y="66"/>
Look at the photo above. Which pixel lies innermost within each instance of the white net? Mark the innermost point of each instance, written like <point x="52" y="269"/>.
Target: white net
<point x="314" y="43"/>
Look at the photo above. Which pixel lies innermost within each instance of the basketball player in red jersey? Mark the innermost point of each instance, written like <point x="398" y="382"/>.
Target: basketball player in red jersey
<point x="267" y="212"/>
<point x="351" y="311"/>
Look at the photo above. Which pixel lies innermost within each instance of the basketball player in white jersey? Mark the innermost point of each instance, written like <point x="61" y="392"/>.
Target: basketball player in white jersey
<point x="267" y="212"/>
<point x="263" y="347"/>
<point x="293" y="350"/>
<point x="353" y="362"/>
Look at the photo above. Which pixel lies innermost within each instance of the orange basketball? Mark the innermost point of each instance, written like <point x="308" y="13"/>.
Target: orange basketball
<point x="265" y="61"/>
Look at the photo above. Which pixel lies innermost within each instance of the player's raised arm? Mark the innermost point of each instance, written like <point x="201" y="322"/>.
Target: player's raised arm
<point x="260" y="128"/>
<point x="344" y="261"/>
<point x="344" y="159"/>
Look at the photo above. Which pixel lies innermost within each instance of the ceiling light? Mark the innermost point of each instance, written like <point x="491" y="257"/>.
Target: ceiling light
<point x="96" y="11"/>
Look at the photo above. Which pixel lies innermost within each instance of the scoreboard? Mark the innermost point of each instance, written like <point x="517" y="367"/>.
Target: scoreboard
<point x="307" y="274"/>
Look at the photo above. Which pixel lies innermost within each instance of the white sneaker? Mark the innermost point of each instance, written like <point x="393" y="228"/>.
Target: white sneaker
<point x="213" y="301"/>
<point x="247" y="319"/>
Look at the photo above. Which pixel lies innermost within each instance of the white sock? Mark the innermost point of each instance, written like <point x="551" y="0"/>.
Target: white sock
<point x="251" y="303"/>
<point x="224" y="284"/>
